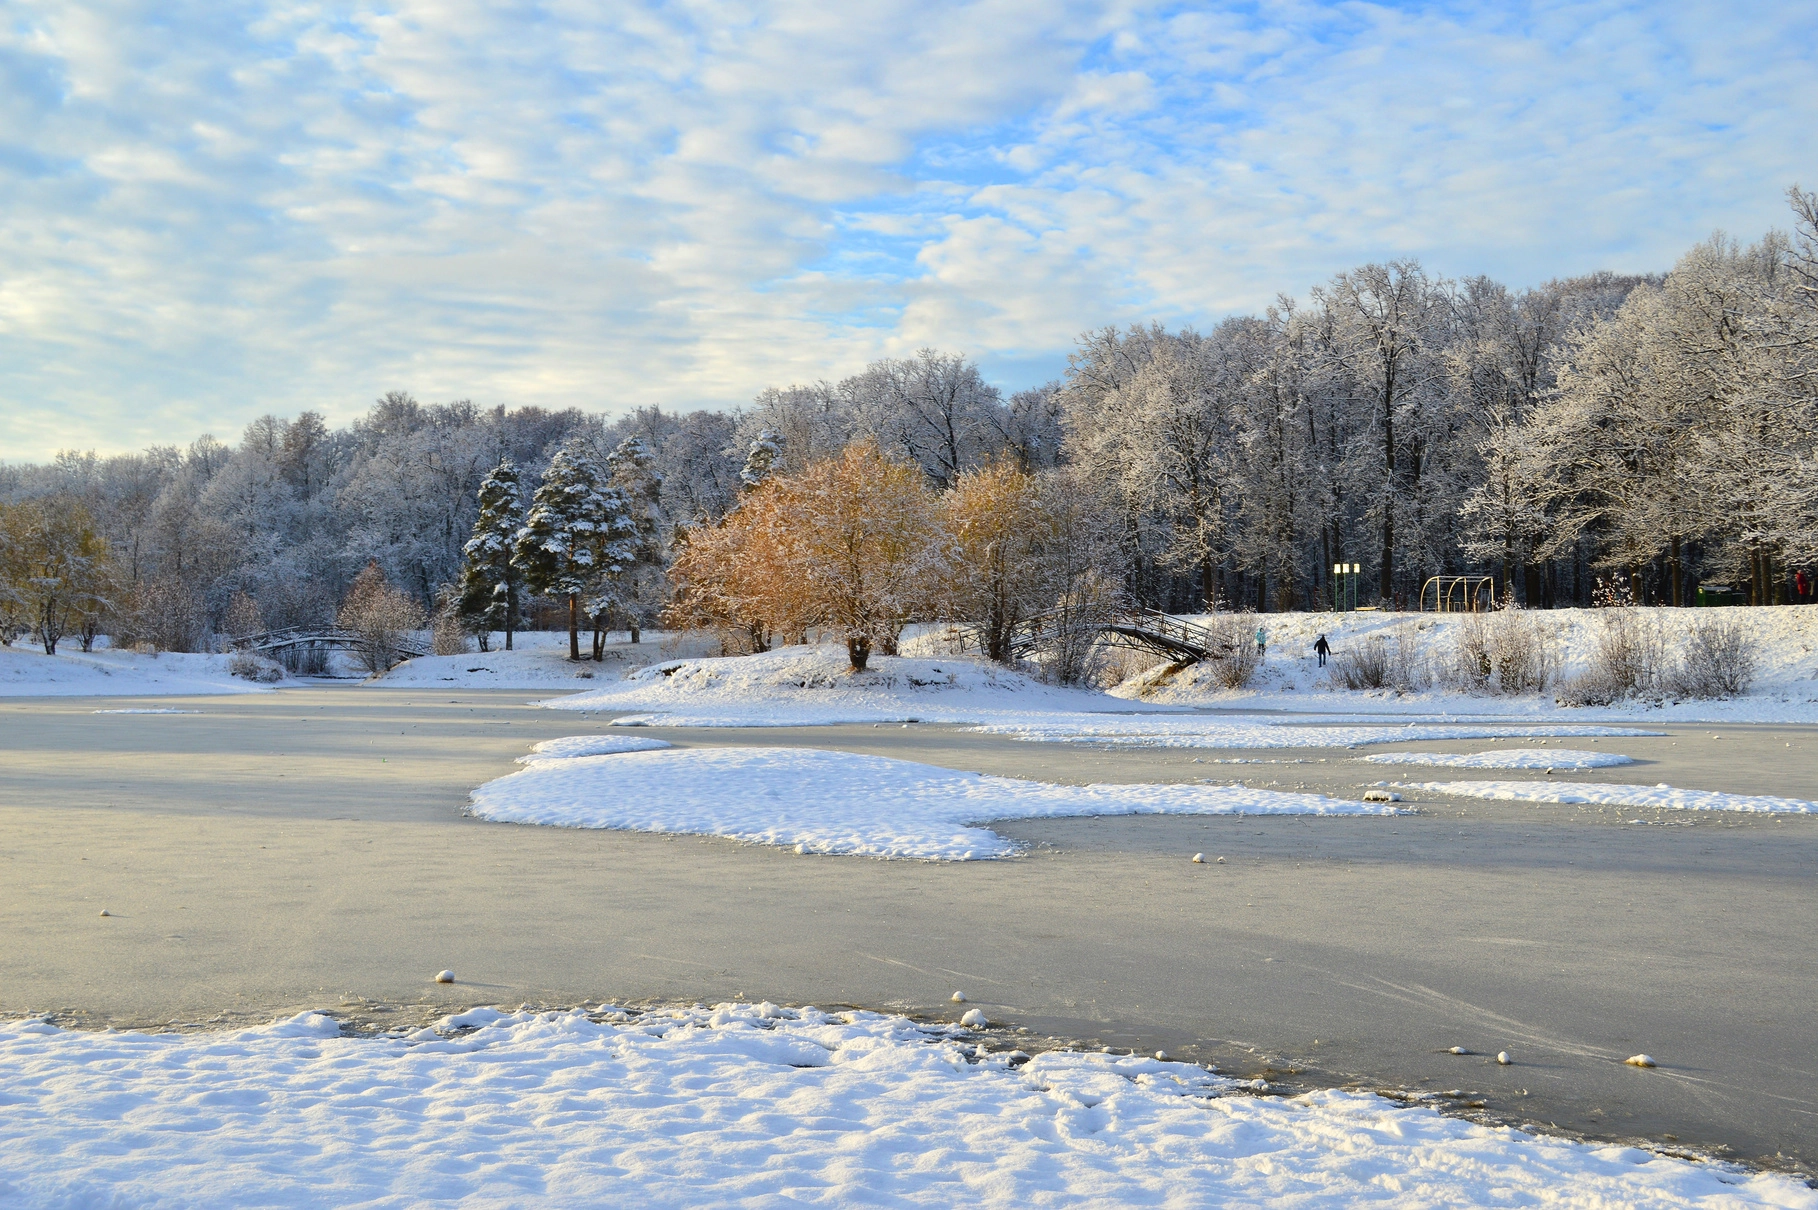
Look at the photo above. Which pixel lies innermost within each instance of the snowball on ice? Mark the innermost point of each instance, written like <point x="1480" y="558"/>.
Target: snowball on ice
<point x="1507" y="758"/>
<point x="1593" y="793"/>
<point x="727" y="1105"/>
<point x="839" y="802"/>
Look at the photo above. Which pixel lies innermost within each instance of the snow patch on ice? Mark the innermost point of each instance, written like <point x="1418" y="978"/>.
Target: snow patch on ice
<point x="590" y="745"/>
<point x="839" y="802"/>
<point x="1580" y="792"/>
<point x="733" y="1105"/>
<point x="1507" y="758"/>
<point x="1238" y="731"/>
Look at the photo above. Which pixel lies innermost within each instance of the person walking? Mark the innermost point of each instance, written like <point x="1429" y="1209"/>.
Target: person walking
<point x="1262" y="643"/>
<point x="1322" y="649"/>
<point x="1802" y="586"/>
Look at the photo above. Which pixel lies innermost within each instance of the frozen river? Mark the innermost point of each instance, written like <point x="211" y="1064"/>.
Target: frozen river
<point x="309" y="849"/>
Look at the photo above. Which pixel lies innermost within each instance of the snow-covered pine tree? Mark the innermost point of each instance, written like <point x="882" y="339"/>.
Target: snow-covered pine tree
<point x="640" y="589"/>
<point x="764" y="460"/>
<point x="492" y="586"/>
<point x="578" y="532"/>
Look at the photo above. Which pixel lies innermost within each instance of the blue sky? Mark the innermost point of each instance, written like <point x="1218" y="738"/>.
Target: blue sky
<point x="215" y="210"/>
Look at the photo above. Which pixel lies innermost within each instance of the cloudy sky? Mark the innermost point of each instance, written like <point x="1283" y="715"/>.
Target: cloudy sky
<point x="214" y="210"/>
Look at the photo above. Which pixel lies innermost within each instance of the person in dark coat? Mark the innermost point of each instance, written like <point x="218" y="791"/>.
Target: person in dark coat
<point x="1322" y="649"/>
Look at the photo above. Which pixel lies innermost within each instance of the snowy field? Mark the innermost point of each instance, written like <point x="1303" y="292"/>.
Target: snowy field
<point x="539" y="660"/>
<point x="1783" y="638"/>
<point x="815" y="686"/>
<point x="833" y="802"/>
<point x="1600" y="794"/>
<point x="749" y="1105"/>
<point x="1319" y="731"/>
<point x="25" y="672"/>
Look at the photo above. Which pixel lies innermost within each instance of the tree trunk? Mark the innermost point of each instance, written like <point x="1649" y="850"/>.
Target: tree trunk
<point x="635" y="633"/>
<point x="1678" y="576"/>
<point x="858" y="650"/>
<point x="574" y="626"/>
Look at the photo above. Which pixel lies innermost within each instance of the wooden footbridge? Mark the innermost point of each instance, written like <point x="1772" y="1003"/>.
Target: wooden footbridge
<point x="270" y="642"/>
<point x="1137" y="628"/>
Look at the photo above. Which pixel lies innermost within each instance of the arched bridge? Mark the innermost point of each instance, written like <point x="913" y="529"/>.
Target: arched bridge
<point x="1137" y="628"/>
<point x="269" y="642"/>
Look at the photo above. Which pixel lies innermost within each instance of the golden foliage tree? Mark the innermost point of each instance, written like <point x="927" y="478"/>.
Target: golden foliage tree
<point x="1004" y="534"/>
<point x="853" y="543"/>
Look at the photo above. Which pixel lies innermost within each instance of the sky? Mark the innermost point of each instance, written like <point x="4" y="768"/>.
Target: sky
<point x="217" y="210"/>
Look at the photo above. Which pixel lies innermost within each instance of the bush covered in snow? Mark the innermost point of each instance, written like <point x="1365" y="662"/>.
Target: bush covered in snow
<point x="250" y="667"/>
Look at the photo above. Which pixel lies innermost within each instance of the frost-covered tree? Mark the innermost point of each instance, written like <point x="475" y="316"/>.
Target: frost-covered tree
<point x="578" y="530"/>
<point x="490" y="592"/>
<point x="636" y="591"/>
<point x="764" y="459"/>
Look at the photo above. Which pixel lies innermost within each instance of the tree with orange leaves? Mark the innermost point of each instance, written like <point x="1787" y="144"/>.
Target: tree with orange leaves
<point x="853" y="543"/>
<point x="1005" y="534"/>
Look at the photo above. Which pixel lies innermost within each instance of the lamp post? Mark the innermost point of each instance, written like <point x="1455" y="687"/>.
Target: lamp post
<point x="1344" y="586"/>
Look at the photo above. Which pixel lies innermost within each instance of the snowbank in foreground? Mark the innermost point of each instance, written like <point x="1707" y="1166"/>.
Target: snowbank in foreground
<point x="815" y="686"/>
<point x="747" y="1105"/>
<point x="1595" y="793"/>
<point x="1508" y="758"/>
<point x="1783" y="638"/>
<point x="838" y="802"/>
<point x="25" y="673"/>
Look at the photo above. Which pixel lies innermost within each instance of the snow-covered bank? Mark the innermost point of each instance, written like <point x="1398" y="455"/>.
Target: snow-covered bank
<point x="837" y="802"/>
<point x="1783" y="639"/>
<point x="1507" y="758"/>
<point x="103" y="673"/>
<point x="539" y="660"/>
<point x="815" y="686"/>
<point x="1597" y="793"/>
<point x="750" y="1105"/>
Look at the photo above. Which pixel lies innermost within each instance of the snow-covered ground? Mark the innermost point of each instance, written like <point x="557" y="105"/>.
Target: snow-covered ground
<point x="539" y="660"/>
<point x="1507" y="758"/>
<point x="815" y="686"/>
<point x="835" y="802"/>
<point x="1784" y="640"/>
<point x="1661" y="795"/>
<point x="102" y="673"/>
<point x="749" y="1105"/>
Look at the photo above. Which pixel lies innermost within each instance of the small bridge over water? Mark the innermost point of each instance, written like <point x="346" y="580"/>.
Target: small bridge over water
<point x="270" y="642"/>
<point x="1137" y="628"/>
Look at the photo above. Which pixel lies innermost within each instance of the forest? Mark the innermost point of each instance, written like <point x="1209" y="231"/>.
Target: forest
<point x="1628" y="435"/>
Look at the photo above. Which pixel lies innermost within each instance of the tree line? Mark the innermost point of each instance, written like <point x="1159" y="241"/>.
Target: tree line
<point x="1651" y="432"/>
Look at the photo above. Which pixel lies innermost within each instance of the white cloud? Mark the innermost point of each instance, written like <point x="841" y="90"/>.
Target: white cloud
<point x="266" y="208"/>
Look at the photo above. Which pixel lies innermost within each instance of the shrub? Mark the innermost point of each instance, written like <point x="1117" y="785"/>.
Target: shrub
<point x="1718" y="662"/>
<point x="250" y="667"/>
<point x="450" y="634"/>
<point x="1364" y="664"/>
<point x="1235" y="660"/>
<point x="1518" y="652"/>
<point x="380" y="616"/>
<point x="1626" y="653"/>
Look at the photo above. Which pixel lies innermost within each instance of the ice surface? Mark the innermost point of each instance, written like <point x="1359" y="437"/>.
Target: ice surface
<point x="744" y="1105"/>
<point x="1614" y="795"/>
<point x="839" y="802"/>
<point x="1507" y="758"/>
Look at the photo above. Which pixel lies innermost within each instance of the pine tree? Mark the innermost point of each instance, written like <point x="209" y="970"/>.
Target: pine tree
<point x="491" y="588"/>
<point x="638" y="591"/>
<point x="579" y="531"/>
<point x="764" y="460"/>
